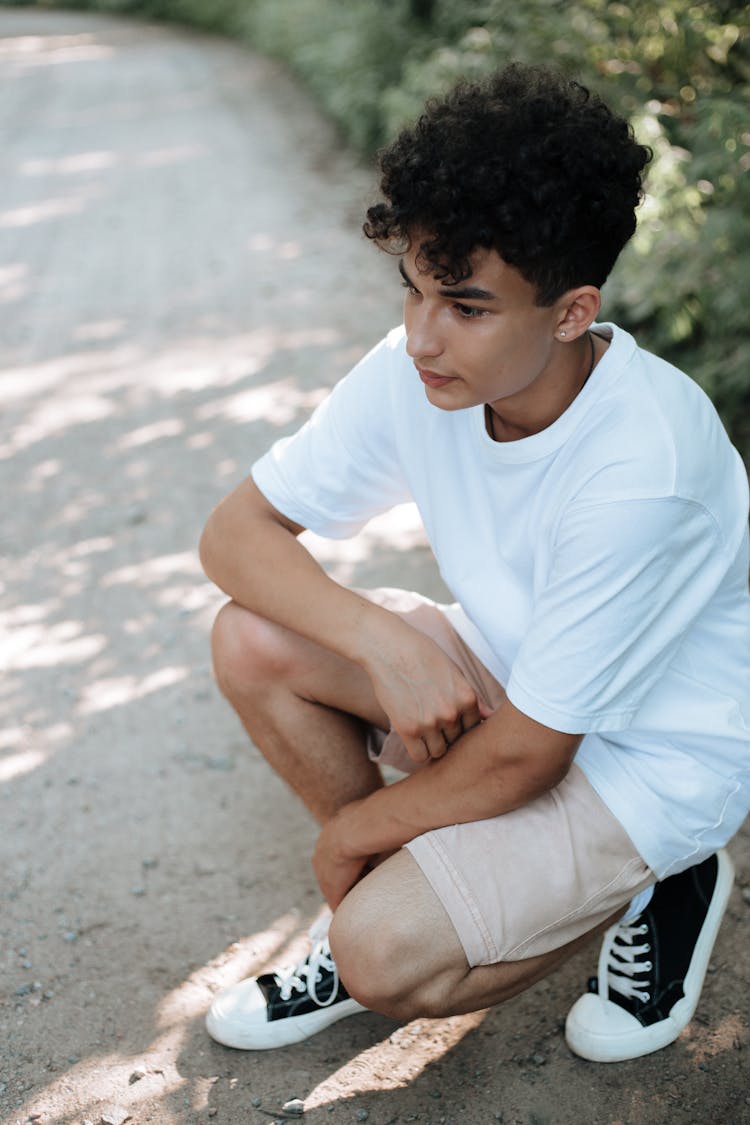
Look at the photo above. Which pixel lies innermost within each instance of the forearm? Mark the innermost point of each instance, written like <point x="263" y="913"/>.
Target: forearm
<point x="501" y="765"/>
<point x="257" y="560"/>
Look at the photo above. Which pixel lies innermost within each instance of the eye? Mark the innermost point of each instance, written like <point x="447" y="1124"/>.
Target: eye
<point x="469" y="312"/>
<point x="410" y="289"/>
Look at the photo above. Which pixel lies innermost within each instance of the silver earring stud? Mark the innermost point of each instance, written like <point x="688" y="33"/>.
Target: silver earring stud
<point x="563" y="332"/>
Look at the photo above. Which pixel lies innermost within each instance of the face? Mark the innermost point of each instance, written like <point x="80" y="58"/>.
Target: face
<point x="484" y="340"/>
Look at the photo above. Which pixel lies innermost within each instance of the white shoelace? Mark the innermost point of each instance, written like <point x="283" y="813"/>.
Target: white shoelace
<point x="617" y="973"/>
<point x="305" y="976"/>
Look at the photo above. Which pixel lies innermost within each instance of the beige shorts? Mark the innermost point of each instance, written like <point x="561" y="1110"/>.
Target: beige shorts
<point x="531" y="880"/>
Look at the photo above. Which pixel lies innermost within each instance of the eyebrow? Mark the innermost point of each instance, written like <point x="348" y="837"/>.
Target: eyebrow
<point x="465" y="293"/>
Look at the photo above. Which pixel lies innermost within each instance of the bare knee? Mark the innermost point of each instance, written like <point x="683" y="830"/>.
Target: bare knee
<point x="248" y="651"/>
<point x="383" y="966"/>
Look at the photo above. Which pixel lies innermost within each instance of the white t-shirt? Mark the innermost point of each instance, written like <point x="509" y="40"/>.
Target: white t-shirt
<point x="599" y="568"/>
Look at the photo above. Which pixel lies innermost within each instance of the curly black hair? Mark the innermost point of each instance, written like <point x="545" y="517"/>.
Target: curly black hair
<point x="528" y="163"/>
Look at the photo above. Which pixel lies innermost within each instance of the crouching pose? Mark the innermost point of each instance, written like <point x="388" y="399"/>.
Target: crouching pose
<point x="573" y="729"/>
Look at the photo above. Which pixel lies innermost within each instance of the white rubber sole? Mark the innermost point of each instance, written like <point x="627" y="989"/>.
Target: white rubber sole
<point x="601" y="1031"/>
<point x="236" y="1019"/>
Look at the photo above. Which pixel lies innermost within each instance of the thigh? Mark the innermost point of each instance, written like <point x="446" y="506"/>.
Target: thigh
<point x="398" y="952"/>
<point x="531" y="881"/>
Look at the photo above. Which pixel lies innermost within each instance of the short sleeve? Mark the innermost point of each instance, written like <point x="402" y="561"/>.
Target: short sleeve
<point x="625" y="581"/>
<point x="342" y="467"/>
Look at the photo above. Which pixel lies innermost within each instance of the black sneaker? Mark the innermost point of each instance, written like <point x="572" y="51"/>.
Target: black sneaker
<point x="276" y="1009"/>
<point x="651" y="969"/>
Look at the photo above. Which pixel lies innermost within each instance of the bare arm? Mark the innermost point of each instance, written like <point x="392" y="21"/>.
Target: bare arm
<point x="506" y="762"/>
<point x="251" y="551"/>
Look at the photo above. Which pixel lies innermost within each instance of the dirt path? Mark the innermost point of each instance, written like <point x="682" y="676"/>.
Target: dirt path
<point x="180" y="280"/>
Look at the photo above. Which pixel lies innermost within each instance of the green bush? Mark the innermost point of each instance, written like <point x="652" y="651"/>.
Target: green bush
<point x="680" y="70"/>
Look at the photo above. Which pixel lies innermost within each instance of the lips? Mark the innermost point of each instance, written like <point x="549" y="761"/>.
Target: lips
<point x="432" y="379"/>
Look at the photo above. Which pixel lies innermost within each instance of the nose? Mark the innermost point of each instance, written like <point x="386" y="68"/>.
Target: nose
<point x="423" y="337"/>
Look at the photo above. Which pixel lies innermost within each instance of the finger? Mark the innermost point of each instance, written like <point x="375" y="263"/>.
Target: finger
<point x="485" y="710"/>
<point x="453" y="731"/>
<point x="417" y="749"/>
<point x="472" y="717"/>
<point x="436" y="744"/>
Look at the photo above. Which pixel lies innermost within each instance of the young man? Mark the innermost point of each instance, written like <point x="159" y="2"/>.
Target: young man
<point x="574" y="729"/>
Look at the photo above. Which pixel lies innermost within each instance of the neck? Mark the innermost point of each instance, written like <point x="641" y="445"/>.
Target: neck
<point x="545" y="400"/>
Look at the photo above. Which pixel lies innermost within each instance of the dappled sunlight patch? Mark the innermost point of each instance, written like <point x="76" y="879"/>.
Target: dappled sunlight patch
<point x="397" y="1060"/>
<point x="704" y="1043"/>
<point x="97" y="330"/>
<point x="43" y="211"/>
<point x="284" y="249"/>
<point x="163" y="157"/>
<point x="400" y="529"/>
<point x="15" y="765"/>
<point x="45" y="646"/>
<point x="76" y="164"/>
<point x="25" y="614"/>
<point x="188" y="599"/>
<point x="150" y="572"/>
<point x="14" y="282"/>
<point x="93" y="546"/>
<point x="203" y="440"/>
<point x="60" y="414"/>
<point x="166" y="428"/>
<point x="43" y="472"/>
<point x="48" y="50"/>
<point x="116" y="691"/>
<point x="193" y="996"/>
<point x="35" y="379"/>
<point x="110" y="1083"/>
<point x="277" y="403"/>
<point x="87" y="386"/>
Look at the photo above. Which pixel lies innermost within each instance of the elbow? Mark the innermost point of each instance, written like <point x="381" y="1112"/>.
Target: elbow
<point x="207" y="552"/>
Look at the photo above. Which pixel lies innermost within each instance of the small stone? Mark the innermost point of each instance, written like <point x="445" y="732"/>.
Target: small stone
<point x="34" y="1117"/>
<point x="139" y="891"/>
<point x="538" y="1060"/>
<point x="70" y="935"/>
<point x="23" y="990"/>
<point x="362" y="1115"/>
<point x="257" y="1102"/>
<point x="223" y="765"/>
<point x="136" y="1075"/>
<point x="746" y="895"/>
<point x="73" y="1059"/>
<point x="26" y="965"/>
<point x="294" y="1106"/>
<point x="115" y="1115"/>
<point x="149" y="863"/>
<point x="213" y="1111"/>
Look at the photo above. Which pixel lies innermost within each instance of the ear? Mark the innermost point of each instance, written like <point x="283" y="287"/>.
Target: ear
<point x="576" y="311"/>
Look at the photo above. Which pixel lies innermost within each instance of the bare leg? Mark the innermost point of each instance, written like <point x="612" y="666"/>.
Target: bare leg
<point x="302" y="705"/>
<point x="417" y="966"/>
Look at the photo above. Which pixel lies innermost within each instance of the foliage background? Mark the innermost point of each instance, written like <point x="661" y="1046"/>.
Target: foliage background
<point x="680" y="70"/>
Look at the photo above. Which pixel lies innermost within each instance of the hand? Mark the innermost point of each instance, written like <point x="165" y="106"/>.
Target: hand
<point x="426" y="697"/>
<point x="335" y="871"/>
